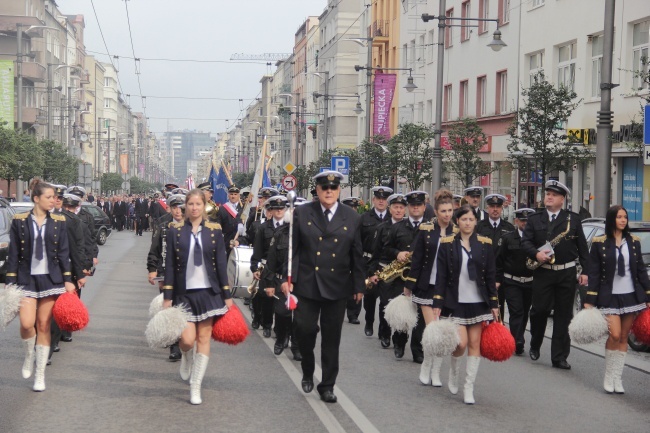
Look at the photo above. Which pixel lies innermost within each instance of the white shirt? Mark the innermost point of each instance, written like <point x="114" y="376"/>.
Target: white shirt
<point x="39" y="267"/>
<point x="521" y="234"/>
<point x="394" y="221"/>
<point x="380" y="214"/>
<point x="332" y="210"/>
<point x="622" y="285"/>
<point x="492" y="222"/>
<point x="277" y="223"/>
<point x="434" y="268"/>
<point x="467" y="289"/>
<point x="196" y="276"/>
<point x="414" y="221"/>
<point x="550" y="214"/>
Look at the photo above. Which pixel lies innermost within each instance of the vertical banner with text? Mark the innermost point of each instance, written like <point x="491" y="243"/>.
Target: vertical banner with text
<point x="384" y="91"/>
<point x="7" y="92"/>
<point x="124" y="163"/>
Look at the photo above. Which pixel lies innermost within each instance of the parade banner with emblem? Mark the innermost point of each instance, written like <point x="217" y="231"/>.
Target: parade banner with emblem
<point x="7" y="91"/>
<point x="384" y="91"/>
<point x="219" y="182"/>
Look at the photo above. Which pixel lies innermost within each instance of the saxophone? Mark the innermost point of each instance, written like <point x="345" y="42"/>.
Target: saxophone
<point x="534" y="264"/>
<point x="393" y="270"/>
<point x="252" y="289"/>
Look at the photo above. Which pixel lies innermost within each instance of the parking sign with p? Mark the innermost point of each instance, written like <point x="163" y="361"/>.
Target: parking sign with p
<point x="342" y="165"/>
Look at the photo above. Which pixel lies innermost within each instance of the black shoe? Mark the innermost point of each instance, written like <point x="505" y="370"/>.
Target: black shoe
<point x="368" y="331"/>
<point x="296" y="354"/>
<point x="563" y="365"/>
<point x="307" y="384"/>
<point x="328" y="396"/>
<point x="49" y="361"/>
<point x="418" y="359"/>
<point x="255" y="324"/>
<point x="399" y="352"/>
<point x="56" y="348"/>
<point x="385" y="342"/>
<point x="286" y="342"/>
<point x="247" y="301"/>
<point x="174" y="353"/>
<point x="267" y="332"/>
<point x="354" y="321"/>
<point x="278" y="348"/>
<point x="66" y="338"/>
<point x="519" y="350"/>
<point x="534" y="354"/>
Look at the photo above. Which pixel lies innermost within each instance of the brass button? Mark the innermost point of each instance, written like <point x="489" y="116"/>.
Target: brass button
<point x="318" y="253"/>
<point x="332" y="269"/>
<point x="336" y="240"/>
<point x="320" y="238"/>
<point x="333" y="255"/>
<point x="316" y="268"/>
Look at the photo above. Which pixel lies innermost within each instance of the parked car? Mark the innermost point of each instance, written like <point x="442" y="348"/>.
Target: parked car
<point x="6" y="215"/>
<point x="596" y="227"/>
<point x="102" y="222"/>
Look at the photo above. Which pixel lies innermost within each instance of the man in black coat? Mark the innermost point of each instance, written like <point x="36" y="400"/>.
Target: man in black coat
<point x="494" y="227"/>
<point x="327" y="268"/>
<point x="229" y="217"/>
<point x="555" y="233"/>
<point x="141" y="214"/>
<point x="120" y="213"/>
<point x="473" y="197"/>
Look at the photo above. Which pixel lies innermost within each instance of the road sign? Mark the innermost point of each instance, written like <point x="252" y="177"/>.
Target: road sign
<point x="289" y="167"/>
<point x="342" y="165"/>
<point x="322" y="169"/>
<point x="646" y="125"/>
<point x="289" y="182"/>
<point x="646" y="155"/>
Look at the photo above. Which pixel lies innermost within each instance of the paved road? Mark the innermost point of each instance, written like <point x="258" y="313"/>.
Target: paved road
<point x="107" y="379"/>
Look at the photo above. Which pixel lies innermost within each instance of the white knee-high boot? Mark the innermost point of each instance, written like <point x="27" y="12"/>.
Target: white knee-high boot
<point x="472" y="368"/>
<point x="608" y="383"/>
<point x="186" y="363"/>
<point x="435" y="371"/>
<point x="198" y="371"/>
<point x="425" y="369"/>
<point x="42" y="353"/>
<point x="619" y="363"/>
<point x="28" y="364"/>
<point x="454" y="371"/>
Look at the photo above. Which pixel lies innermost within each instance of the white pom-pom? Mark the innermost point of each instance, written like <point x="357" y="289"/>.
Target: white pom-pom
<point x="401" y="314"/>
<point x="166" y="327"/>
<point x="440" y="338"/>
<point x="588" y="326"/>
<point x="10" y="299"/>
<point x="156" y="305"/>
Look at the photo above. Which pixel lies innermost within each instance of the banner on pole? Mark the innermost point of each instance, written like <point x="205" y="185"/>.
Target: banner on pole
<point x="384" y="91"/>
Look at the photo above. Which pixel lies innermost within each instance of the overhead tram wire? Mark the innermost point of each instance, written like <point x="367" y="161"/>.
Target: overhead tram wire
<point x="92" y="3"/>
<point x="145" y="59"/>
<point x="135" y="60"/>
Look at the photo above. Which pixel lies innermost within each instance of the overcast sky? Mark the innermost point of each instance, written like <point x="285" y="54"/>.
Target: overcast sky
<point x="198" y="30"/>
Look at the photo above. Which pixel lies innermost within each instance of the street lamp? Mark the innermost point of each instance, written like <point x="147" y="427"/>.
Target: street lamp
<point x="496" y="44"/>
<point x="409" y="86"/>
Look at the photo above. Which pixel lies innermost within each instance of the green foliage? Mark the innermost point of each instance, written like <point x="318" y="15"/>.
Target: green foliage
<point x="243" y="180"/>
<point x="414" y="153"/>
<point x="139" y="186"/>
<point x="636" y="138"/>
<point x="111" y="182"/>
<point x="302" y="180"/>
<point x="466" y="139"/>
<point x="377" y="160"/>
<point x="324" y="160"/>
<point x="20" y="155"/>
<point x="536" y="132"/>
<point x="59" y="167"/>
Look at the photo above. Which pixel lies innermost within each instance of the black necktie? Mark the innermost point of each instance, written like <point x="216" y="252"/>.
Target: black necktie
<point x="38" y="251"/>
<point x="198" y="254"/>
<point x="495" y="226"/>
<point x="471" y="266"/>
<point x="553" y="218"/>
<point x="416" y="224"/>
<point x="327" y="215"/>
<point x="621" y="262"/>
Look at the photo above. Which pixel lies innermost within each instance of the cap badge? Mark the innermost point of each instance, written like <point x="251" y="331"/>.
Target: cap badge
<point x="330" y="177"/>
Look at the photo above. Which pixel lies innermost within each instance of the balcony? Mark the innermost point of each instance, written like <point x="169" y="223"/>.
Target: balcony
<point x="31" y="115"/>
<point x="34" y="72"/>
<point x="379" y="29"/>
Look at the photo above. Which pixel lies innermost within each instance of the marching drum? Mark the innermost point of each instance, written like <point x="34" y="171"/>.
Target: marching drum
<point x="239" y="269"/>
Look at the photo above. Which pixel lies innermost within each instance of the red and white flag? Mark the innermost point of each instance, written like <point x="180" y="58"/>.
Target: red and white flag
<point x="190" y="182"/>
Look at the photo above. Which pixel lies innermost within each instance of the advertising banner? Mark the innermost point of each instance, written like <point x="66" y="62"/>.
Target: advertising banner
<point x="124" y="163"/>
<point x="384" y="91"/>
<point x="7" y="92"/>
<point x="633" y="188"/>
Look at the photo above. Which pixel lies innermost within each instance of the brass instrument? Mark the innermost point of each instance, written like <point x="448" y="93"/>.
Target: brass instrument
<point x="393" y="270"/>
<point x="211" y="209"/>
<point x="253" y="288"/>
<point x="534" y="264"/>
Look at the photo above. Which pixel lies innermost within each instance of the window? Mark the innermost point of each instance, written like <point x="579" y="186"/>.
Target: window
<point x="465" y="13"/>
<point x="420" y="112"/>
<point x="48" y="41"/>
<point x="405" y="55"/>
<point x="566" y="67"/>
<point x="538" y="3"/>
<point x="430" y="50"/>
<point x="107" y="103"/>
<point x="483" y="12"/>
<point x="502" y="92"/>
<point x="596" y="64"/>
<point x="421" y="49"/>
<point x="107" y="82"/>
<point x="412" y="54"/>
<point x="449" y="33"/>
<point x="446" y="108"/>
<point x="429" y="113"/>
<point x="640" y="36"/>
<point x="535" y="65"/>
<point x="504" y="12"/>
<point x="481" y="96"/>
<point x="463" y="99"/>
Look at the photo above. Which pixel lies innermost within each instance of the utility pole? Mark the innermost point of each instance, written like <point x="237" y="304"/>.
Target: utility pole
<point x="326" y="112"/>
<point x="50" y="117"/>
<point x="368" y="88"/>
<point x="605" y="117"/>
<point x="436" y="163"/>
<point x="19" y="73"/>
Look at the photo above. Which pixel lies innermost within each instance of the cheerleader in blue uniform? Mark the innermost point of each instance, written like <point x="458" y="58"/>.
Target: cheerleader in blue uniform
<point x="39" y="261"/>
<point x="466" y="293"/>
<point x="619" y="287"/>
<point x="195" y="277"/>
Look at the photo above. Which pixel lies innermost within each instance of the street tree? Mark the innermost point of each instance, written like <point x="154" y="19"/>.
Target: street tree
<point x="414" y="152"/>
<point x="302" y="179"/>
<point x="537" y="133"/>
<point x="636" y="138"/>
<point x="111" y="182"/>
<point x="59" y="167"/>
<point x="20" y="156"/>
<point x="377" y="161"/>
<point x="466" y="139"/>
<point x="324" y="160"/>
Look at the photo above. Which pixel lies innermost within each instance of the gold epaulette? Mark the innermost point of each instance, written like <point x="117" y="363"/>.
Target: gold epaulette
<point x="21" y="216"/>
<point x="447" y="239"/>
<point x="636" y="238"/>
<point x="484" y="240"/>
<point x="427" y="227"/>
<point x="599" y="238"/>
<point x="211" y="225"/>
<point x="455" y="229"/>
<point x="57" y="217"/>
<point x="177" y="225"/>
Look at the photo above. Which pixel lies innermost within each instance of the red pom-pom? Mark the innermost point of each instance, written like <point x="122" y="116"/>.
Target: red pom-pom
<point x="70" y="313"/>
<point x="497" y="343"/>
<point x="641" y="327"/>
<point x="292" y="302"/>
<point x="231" y="328"/>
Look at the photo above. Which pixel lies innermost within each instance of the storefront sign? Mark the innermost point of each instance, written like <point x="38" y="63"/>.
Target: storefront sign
<point x="633" y="188"/>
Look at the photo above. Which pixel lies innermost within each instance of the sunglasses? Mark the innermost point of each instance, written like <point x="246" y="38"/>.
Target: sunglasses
<point x="328" y="187"/>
